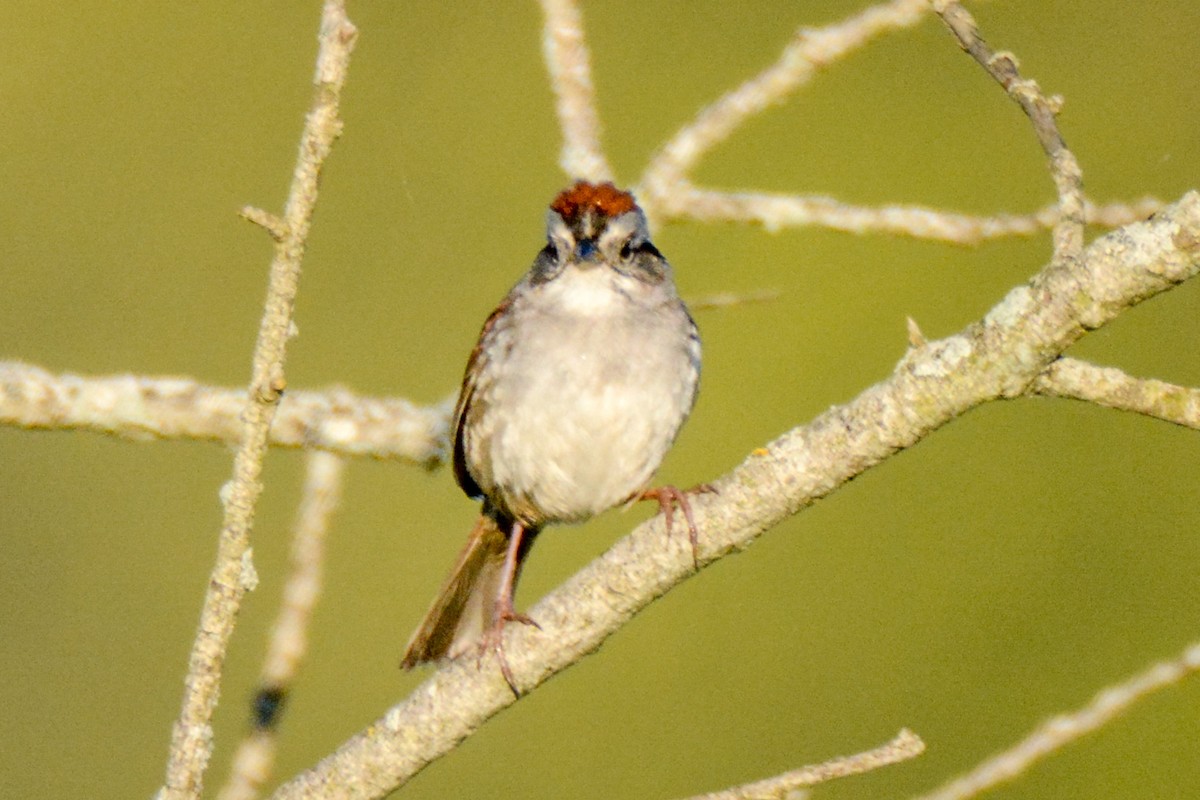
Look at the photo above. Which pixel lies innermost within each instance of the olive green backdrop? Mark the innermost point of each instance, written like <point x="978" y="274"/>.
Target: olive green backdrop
<point x="998" y="572"/>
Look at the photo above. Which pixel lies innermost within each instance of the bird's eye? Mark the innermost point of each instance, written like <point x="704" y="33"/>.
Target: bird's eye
<point x="626" y="250"/>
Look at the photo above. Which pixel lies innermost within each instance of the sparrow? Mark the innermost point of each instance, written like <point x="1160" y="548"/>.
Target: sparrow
<point x="578" y="386"/>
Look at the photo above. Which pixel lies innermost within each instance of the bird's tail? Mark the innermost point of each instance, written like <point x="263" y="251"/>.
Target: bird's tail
<point x="464" y="607"/>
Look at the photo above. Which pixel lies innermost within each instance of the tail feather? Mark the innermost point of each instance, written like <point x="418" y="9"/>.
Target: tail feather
<point x="464" y="606"/>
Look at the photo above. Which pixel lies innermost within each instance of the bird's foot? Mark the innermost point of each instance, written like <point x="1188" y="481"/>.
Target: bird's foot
<point x="493" y="638"/>
<point x="670" y="496"/>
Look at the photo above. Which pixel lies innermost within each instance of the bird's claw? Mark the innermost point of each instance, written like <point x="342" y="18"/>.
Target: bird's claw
<point x="670" y="496"/>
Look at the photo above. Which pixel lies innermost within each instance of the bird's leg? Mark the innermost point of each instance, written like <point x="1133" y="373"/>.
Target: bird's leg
<point x="670" y="496"/>
<point x="503" y="611"/>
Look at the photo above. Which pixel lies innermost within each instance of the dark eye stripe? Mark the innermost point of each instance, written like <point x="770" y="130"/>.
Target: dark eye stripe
<point x="629" y="249"/>
<point x="647" y="249"/>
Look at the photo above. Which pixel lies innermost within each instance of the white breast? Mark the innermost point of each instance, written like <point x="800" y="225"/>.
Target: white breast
<point x="598" y="377"/>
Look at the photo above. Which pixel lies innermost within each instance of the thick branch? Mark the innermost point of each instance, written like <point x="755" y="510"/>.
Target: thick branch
<point x="997" y="357"/>
<point x="233" y="574"/>
<point x="138" y="407"/>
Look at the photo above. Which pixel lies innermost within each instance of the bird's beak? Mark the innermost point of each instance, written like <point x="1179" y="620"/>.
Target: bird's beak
<point x="586" y="251"/>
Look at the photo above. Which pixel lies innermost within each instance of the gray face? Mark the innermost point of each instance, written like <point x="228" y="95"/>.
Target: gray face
<point x="594" y="240"/>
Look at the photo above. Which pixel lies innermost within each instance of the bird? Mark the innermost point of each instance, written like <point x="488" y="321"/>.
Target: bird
<point x="580" y="381"/>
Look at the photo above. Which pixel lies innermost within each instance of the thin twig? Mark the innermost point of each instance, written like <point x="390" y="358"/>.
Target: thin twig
<point x="905" y="746"/>
<point x="269" y="222"/>
<point x="776" y="212"/>
<point x="255" y="758"/>
<point x="569" y="65"/>
<point x="809" y="51"/>
<point x="233" y="574"/>
<point x="142" y="408"/>
<point x="1059" y="731"/>
<point x="729" y="299"/>
<point x="1112" y="388"/>
<point x="933" y="384"/>
<point x="1041" y="110"/>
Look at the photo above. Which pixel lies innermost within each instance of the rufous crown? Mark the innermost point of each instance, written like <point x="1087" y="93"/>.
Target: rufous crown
<point x="601" y="198"/>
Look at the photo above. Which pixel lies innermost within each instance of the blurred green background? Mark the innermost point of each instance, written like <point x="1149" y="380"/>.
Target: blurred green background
<point x="999" y="572"/>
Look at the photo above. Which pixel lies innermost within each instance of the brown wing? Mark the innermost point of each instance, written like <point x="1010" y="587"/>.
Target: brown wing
<point x="475" y="365"/>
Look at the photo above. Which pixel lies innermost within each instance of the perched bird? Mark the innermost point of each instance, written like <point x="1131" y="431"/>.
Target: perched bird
<point x="579" y="384"/>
